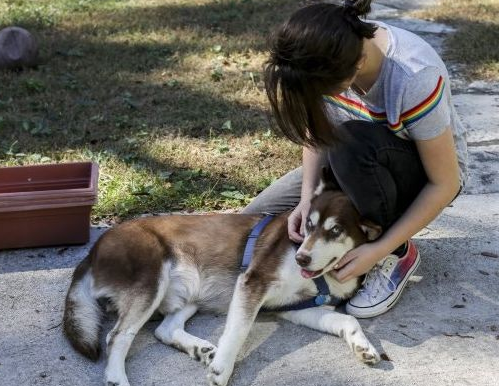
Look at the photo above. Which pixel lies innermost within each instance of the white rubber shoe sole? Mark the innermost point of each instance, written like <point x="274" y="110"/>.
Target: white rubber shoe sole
<point x="385" y="305"/>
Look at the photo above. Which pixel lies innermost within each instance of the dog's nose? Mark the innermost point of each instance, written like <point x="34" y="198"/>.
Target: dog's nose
<point x="302" y="259"/>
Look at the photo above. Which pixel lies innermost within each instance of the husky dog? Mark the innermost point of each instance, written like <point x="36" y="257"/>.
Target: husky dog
<point x="179" y="265"/>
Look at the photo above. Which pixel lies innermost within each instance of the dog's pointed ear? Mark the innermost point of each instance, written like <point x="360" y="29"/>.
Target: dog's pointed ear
<point x="372" y="230"/>
<point x="326" y="181"/>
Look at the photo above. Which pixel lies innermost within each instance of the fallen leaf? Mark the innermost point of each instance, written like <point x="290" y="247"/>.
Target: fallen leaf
<point x="75" y="52"/>
<point x="235" y="194"/>
<point x="171" y="83"/>
<point x="217" y="74"/>
<point x="227" y="125"/>
<point x="223" y="148"/>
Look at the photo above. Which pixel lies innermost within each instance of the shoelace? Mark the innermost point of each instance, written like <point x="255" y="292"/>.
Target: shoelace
<point x="376" y="279"/>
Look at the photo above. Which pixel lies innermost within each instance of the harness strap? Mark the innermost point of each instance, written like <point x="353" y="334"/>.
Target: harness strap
<point x="323" y="297"/>
<point x="253" y="236"/>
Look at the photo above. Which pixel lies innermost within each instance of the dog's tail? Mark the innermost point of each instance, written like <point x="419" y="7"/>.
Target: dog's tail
<point x="82" y="315"/>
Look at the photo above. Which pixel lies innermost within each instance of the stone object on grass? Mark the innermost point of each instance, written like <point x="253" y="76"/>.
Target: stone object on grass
<point x="18" y="49"/>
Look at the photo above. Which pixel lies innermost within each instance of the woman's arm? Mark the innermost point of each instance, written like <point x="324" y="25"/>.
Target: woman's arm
<point x="439" y="160"/>
<point x="312" y="162"/>
<point x="438" y="156"/>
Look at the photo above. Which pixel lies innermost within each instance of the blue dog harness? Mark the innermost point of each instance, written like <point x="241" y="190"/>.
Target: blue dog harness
<point x="323" y="297"/>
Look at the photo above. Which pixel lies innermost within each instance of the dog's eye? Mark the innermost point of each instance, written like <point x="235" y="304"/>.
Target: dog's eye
<point x="336" y="230"/>
<point x="308" y="224"/>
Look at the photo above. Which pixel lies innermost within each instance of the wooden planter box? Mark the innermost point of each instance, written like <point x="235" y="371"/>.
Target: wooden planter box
<point x="45" y="205"/>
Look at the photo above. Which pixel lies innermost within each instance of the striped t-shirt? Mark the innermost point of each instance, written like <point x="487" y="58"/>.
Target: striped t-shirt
<point x="411" y="96"/>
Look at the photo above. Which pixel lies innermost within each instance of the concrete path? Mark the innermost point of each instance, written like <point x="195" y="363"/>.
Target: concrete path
<point x="444" y="331"/>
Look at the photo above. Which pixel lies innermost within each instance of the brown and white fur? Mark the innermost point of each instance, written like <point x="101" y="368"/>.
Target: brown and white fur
<point x="179" y="265"/>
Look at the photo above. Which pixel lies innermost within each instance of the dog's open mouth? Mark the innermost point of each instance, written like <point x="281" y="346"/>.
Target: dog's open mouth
<point x="310" y="274"/>
<point x="313" y="274"/>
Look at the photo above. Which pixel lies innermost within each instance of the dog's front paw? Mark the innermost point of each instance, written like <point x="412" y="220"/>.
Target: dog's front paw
<point x="204" y="353"/>
<point x="366" y="352"/>
<point x="219" y="372"/>
<point x="116" y="380"/>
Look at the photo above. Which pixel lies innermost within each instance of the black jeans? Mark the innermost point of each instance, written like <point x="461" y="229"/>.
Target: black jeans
<point x="380" y="172"/>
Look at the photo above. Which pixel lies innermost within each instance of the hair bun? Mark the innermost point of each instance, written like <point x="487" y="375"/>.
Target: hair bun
<point x="359" y="7"/>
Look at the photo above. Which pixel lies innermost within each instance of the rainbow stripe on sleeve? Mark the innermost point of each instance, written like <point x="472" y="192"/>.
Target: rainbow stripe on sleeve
<point x="406" y="118"/>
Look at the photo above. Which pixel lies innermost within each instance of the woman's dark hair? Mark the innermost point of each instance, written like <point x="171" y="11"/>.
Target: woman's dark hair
<point x="310" y="55"/>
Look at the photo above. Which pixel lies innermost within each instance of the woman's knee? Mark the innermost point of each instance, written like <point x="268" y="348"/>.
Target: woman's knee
<point x="280" y="196"/>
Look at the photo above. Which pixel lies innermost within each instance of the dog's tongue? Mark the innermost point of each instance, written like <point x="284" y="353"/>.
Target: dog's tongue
<point x="308" y="274"/>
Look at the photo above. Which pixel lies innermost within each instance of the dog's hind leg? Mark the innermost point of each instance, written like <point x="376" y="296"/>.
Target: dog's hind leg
<point x="344" y="326"/>
<point x="246" y="302"/>
<point x="121" y="338"/>
<point x="134" y="310"/>
<point x="171" y="332"/>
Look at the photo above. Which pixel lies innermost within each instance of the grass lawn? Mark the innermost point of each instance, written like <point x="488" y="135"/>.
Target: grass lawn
<point x="476" y="42"/>
<point x="166" y="96"/>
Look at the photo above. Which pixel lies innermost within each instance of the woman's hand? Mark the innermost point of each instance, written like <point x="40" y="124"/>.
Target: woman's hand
<point x="296" y="221"/>
<point x="357" y="262"/>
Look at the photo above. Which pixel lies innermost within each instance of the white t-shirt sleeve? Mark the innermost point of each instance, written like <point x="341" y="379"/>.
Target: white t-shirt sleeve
<point x="425" y="105"/>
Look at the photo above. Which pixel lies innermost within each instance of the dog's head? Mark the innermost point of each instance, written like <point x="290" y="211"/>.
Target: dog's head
<point x="333" y="227"/>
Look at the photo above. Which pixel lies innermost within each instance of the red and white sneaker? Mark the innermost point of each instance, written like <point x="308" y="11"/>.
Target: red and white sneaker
<point x="384" y="283"/>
